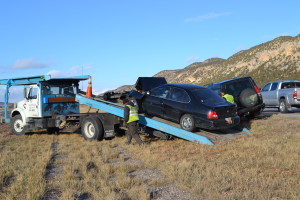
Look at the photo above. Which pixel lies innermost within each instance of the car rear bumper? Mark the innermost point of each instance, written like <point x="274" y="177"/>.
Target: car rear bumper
<point x="256" y="109"/>
<point x="214" y="124"/>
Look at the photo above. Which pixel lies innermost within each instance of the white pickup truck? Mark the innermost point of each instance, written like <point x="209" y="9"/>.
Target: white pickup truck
<point x="283" y="94"/>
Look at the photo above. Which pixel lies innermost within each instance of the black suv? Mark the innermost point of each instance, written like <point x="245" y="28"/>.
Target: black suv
<point x="246" y="95"/>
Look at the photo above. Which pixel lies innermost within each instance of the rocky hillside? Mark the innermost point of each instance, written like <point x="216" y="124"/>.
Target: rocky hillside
<point x="277" y="59"/>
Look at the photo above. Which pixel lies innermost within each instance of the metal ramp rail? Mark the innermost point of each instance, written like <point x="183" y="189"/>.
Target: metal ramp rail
<point x="113" y="109"/>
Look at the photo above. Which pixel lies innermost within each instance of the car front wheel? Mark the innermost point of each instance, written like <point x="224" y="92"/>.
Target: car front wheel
<point x="187" y="122"/>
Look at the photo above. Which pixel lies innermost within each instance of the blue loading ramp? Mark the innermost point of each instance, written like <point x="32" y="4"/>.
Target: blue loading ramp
<point x="193" y="137"/>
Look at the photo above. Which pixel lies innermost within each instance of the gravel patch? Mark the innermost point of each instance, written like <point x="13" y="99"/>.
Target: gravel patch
<point x="124" y="158"/>
<point x="170" y="192"/>
<point x="146" y="175"/>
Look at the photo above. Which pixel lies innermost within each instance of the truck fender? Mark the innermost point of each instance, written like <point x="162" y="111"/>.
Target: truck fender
<point x="287" y="101"/>
<point x="18" y="111"/>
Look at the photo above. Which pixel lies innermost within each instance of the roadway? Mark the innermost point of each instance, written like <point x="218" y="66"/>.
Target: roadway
<point x="295" y="113"/>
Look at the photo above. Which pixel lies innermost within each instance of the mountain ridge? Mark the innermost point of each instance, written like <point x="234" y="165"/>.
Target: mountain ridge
<point x="272" y="60"/>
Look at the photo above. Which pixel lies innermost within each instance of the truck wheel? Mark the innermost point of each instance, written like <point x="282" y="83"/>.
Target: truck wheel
<point x="282" y="106"/>
<point x="92" y="128"/>
<point x="53" y="130"/>
<point x="187" y="122"/>
<point x="17" y="125"/>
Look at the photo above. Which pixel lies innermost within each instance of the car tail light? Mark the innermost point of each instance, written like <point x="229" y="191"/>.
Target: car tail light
<point x="212" y="115"/>
<point x="295" y="95"/>
<point x="256" y="89"/>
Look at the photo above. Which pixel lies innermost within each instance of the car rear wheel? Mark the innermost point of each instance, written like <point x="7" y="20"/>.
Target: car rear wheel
<point x="187" y="122"/>
<point x="248" y="98"/>
<point x="92" y="128"/>
<point x="282" y="106"/>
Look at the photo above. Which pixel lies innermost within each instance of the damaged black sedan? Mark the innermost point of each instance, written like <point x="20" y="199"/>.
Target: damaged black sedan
<point x="192" y="106"/>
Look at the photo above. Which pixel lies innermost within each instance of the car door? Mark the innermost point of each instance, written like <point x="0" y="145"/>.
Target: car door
<point x="265" y="94"/>
<point x="154" y="102"/>
<point x="176" y="104"/>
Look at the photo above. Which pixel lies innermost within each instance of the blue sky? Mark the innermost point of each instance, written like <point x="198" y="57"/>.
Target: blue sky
<point x="117" y="41"/>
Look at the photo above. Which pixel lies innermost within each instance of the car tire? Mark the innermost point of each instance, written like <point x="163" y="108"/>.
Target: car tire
<point x="248" y="98"/>
<point x="17" y="125"/>
<point x="282" y="106"/>
<point x="187" y="122"/>
<point x="253" y="114"/>
<point x="92" y="128"/>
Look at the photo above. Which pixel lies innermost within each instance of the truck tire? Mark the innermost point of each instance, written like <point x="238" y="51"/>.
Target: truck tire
<point x="248" y="98"/>
<point x="53" y="130"/>
<point x="282" y="106"/>
<point x="17" y="125"/>
<point x="92" y="128"/>
<point x="187" y="122"/>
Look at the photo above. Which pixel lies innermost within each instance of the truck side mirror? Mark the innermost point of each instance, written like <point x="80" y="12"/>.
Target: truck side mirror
<point x="25" y="93"/>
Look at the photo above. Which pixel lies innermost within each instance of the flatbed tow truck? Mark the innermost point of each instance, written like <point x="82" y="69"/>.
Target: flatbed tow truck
<point x="53" y="104"/>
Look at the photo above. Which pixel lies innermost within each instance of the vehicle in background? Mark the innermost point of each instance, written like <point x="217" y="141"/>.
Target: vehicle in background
<point x="192" y="106"/>
<point x="283" y="94"/>
<point x="245" y="92"/>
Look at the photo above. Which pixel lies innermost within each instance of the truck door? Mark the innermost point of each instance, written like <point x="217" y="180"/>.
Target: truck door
<point x="272" y="95"/>
<point x="33" y="101"/>
<point x="265" y="94"/>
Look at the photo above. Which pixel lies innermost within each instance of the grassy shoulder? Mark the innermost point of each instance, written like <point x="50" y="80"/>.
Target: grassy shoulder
<point x="263" y="165"/>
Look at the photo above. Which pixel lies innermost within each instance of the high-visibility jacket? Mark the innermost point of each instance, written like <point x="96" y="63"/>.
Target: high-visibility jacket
<point x="133" y="114"/>
<point x="229" y="98"/>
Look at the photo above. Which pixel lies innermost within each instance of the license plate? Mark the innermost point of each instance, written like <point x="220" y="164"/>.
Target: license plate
<point x="228" y="120"/>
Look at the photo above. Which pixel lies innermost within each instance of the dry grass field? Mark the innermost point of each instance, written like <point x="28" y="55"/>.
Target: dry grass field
<point x="264" y="165"/>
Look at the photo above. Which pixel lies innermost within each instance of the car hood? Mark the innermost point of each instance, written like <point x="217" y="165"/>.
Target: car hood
<point x="147" y="83"/>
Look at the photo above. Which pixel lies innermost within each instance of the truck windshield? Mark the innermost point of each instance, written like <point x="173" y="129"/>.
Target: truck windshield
<point x="60" y="90"/>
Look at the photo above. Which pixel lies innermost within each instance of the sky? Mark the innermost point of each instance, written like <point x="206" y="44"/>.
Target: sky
<point x="117" y="41"/>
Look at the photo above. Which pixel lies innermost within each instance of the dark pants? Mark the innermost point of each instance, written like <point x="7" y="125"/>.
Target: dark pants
<point x="132" y="133"/>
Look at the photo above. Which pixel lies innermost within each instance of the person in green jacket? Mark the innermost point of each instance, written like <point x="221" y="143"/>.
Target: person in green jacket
<point x="131" y="118"/>
<point x="226" y="96"/>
